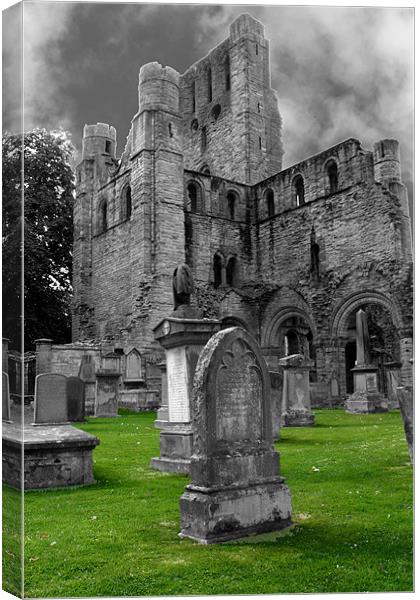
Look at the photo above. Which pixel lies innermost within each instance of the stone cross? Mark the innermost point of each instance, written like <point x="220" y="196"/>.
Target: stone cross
<point x="50" y="399"/>
<point x="362" y="339"/>
<point x="235" y="485"/>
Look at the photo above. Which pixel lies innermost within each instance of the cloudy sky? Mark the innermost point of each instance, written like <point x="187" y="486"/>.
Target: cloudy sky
<point x="338" y="72"/>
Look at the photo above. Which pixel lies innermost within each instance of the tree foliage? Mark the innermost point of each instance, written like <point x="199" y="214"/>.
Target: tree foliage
<point x="46" y="240"/>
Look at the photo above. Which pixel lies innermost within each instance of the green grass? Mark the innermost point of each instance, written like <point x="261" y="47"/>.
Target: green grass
<point x="351" y="485"/>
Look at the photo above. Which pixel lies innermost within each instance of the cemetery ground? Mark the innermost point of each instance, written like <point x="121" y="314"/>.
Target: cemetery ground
<point x="351" y="484"/>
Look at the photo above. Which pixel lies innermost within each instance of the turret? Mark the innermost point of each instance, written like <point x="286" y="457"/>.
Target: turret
<point x="386" y="160"/>
<point x="99" y="139"/>
<point x="158" y="88"/>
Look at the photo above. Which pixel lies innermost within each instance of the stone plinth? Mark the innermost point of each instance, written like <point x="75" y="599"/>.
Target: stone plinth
<point x="183" y="339"/>
<point x="296" y="403"/>
<point x="366" y="397"/>
<point x="53" y="456"/>
<point x="235" y="488"/>
<point x="106" y="397"/>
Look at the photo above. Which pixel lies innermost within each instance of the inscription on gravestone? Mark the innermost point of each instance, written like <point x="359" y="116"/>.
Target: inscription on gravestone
<point x="179" y="405"/>
<point x="50" y="399"/>
<point x="75" y="399"/>
<point x="239" y="392"/>
<point x="5" y="397"/>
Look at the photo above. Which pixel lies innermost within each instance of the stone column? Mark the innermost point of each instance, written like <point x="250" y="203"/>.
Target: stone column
<point x="296" y="404"/>
<point x="43" y="355"/>
<point x="162" y="413"/>
<point x="5" y="355"/>
<point x="183" y="339"/>
<point x="276" y="381"/>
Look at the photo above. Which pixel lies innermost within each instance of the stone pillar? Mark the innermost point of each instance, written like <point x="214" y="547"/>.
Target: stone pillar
<point x="276" y="380"/>
<point x="43" y="355"/>
<point x="183" y="339"/>
<point x="5" y="355"/>
<point x="405" y="399"/>
<point x="162" y="413"/>
<point x="296" y="404"/>
<point x="406" y="353"/>
<point x="107" y="380"/>
<point x="393" y="381"/>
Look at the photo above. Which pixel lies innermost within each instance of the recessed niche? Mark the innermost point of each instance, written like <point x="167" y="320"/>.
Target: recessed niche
<point x="194" y="125"/>
<point x="215" y="111"/>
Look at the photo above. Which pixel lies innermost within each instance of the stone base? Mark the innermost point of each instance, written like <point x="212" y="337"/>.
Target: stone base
<point x="171" y="465"/>
<point x="211" y="517"/>
<point x="53" y="456"/>
<point x="364" y="403"/>
<point x="298" y="419"/>
<point x="175" y="449"/>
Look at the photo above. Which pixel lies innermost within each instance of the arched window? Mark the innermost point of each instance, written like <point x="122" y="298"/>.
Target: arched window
<point x="298" y="190"/>
<point x="103" y="216"/>
<point x="231" y="271"/>
<point x="126" y="203"/>
<point x="231" y="200"/>
<point x="269" y="200"/>
<point x="194" y="196"/>
<point x="227" y="73"/>
<point x="332" y="174"/>
<point x="209" y="85"/>
<point x="217" y="270"/>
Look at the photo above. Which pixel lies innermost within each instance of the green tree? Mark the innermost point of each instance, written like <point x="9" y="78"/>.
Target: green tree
<point x="46" y="239"/>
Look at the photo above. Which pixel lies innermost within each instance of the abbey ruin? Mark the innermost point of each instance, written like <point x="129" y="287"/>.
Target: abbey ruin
<point x="288" y="254"/>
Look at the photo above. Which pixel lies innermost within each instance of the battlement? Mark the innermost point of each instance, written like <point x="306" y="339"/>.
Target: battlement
<point x="158" y="88"/>
<point x="386" y="159"/>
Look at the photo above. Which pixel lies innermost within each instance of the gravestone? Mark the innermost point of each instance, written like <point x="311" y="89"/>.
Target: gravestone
<point x="50" y="399"/>
<point x="276" y="380"/>
<point x="75" y="399"/>
<point x="296" y="402"/>
<point x="393" y="381"/>
<point x="87" y="375"/>
<point x="5" y="398"/>
<point x="405" y="399"/>
<point x="107" y="380"/>
<point x="235" y="488"/>
<point x="162" y="415"/>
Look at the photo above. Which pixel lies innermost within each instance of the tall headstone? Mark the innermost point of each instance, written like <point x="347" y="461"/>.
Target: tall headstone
<point x="296" y="401"/>
<point x="183" y="335"/>
<point x="75" y="399"/>
<point x="87" y="375"/>
<point x="50" y="399"/>
<point x="43" y="355"/>
<point x="405" y="399"/>
<point x="5" y="398"/>
<point x="107" y="380"/>
<point x="366" y="397"/>
<point x="235" y="488"/>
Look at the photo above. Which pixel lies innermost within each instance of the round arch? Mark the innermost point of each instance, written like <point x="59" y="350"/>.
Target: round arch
<point x="341" y="314"/>
<point x="269" y="334"/>
<point x="233" y="321"/>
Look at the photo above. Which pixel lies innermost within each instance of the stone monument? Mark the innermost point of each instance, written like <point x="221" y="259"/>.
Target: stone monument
<point x="162" y="416"/>
<point x="235" y="488"/>
<point x="366" y="397"/>
<point x="87" y="375"/>
<point x="405" y="399"/>
<point x="107" y="380"/>
<point x="75" y="399"/>
<point x="276" y="380"/>
<point x="50" y="399"/>
<point x="393" y="382"/>
<point x="296" y="402"/>
<point x="5" y="413"/>
<point x="183" y="334"/>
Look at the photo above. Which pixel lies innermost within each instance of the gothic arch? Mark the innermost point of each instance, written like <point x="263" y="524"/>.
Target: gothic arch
<point x="269" y="333"/>
<point x="342" y="312"/>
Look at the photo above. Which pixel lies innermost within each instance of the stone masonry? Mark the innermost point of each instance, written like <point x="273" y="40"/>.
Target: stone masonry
<point x="290" y="255"/>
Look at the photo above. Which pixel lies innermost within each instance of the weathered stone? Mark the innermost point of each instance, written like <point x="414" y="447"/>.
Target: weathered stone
<point x="183" y="340"/>
<point x="276" y="380"/>
<point x="393" y="380"/>
<point x="405" y="399"/>
<point x="106" y="397"/>
<point x="296" y="403"/>
<point x="53" y="456"/>
<point x="75" y="399"/>
<point x="50" y="399"/>
<point x="5" y="397"/>
<point x="235" y="489"/>
<point x="163" y="413"/>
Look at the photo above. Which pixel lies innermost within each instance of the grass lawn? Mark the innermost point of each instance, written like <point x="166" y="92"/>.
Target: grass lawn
<point x="351" y="484"/>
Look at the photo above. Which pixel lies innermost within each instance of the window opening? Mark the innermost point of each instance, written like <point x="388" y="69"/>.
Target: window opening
<point x="192" y="194"/>
<point x="104" y="217"/>
<point x="299" y="190"/>
<point x="269" y="198"/>
<point x="230" y="271"/>
<point x="209" y="86"/>
<point x="231" y="205"/>
<point x="217" y="270"/>
<point x="332" y="176"/>
<point x="108" y="147"/>
<point x="227" y="74"/>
